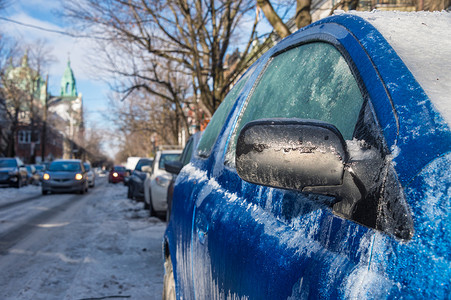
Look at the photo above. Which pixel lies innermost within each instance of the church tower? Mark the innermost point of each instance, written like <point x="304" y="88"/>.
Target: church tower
<point x="68" y="84"/>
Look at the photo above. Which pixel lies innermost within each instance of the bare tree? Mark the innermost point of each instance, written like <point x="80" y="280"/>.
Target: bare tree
<point x="194" y="35"/>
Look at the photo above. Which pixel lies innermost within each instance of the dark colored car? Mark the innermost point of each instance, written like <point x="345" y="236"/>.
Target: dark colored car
<point x="13" y="172"/>
<point x="136" y="179"/>
<point x="33" y="176"/>
<point x="65" y="175"/>
<point x="174" y="167"/>
<point x="117" y="174"/>
<point x="325" y="172"/>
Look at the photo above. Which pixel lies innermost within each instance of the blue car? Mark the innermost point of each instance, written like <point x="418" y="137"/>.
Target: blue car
<point x="325" y="173"/>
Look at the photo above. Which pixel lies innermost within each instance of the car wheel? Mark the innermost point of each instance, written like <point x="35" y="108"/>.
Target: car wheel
<point x="168" y="281"/>
<point x="45" y="192"/>
<point x="146" y="205"/>
<point x="19" y="182"/>
<point x="129" y="193"/>
<point x="168" y="213"/>
<point x="151" y="210"/>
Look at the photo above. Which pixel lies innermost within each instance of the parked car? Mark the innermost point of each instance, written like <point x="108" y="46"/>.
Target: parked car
<point x="12" y="172"/>
<point x="325" y="173"/>
<point x="174" y="167"/>
<point x="117" y="174"/>
<point x="65" y="175"/>
<point x="136" y="179"/>
<point x="156" y="185"/>
<point x="32" y="175"/>
<point x="90" y="173"/>
<point x="40" y="169"/>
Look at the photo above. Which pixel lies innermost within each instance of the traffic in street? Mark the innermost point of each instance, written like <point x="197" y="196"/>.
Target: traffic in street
<point x="78" y="246"/>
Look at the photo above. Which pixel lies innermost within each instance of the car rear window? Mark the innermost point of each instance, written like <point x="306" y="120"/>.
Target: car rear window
<point x="167" y="157"/>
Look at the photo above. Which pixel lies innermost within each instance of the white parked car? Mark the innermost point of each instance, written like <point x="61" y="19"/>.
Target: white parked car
<point x="156" y="185"/>
<point x="90" y="173"/>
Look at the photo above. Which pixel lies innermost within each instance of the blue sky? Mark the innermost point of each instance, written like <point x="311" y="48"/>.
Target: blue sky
<point x="41" y="13"/>
<point x="95" y="92"/>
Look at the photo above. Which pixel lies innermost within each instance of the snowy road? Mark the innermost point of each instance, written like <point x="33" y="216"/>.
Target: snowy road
<point x="70" y="246"/>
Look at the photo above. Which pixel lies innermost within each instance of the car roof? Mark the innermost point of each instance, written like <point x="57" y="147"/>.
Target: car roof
<point x="412" y="35"/>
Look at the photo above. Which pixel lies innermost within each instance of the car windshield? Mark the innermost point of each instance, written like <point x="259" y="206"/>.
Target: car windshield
<point x="119" y="169"/>
<point x="167" y="157"/>
<point x="87" y="166"/>
<point x="7" y="163"/>
<point x="64" y="166"/>
<point x="39" y="167"/>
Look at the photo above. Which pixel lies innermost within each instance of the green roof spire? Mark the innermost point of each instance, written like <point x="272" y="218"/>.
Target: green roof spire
<point x="68" y="85"/>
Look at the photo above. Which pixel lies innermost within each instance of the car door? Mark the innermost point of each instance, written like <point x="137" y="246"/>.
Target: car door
<point x="251" y="241"/>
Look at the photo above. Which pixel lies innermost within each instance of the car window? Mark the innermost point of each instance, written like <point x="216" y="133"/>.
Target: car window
<point x="64" y="166"/>
<point x="87" y="166"/>
<point x="143" y="162"/>
<point x="187" y="152"/>
<point x="7" y="163"/>
<point x="165" y="157"/>
<point x="312" y="81"/>
<point x="119" y="169"/>
<point x="217" y="121"/>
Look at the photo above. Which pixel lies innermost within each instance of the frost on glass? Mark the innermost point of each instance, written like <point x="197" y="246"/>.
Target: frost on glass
<point x="214" y="127"/>
<point x="312" y="81"/>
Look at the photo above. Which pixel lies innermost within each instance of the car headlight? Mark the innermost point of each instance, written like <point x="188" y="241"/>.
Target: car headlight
<point x="115" y="174"/>
<point x="162" y="181"/>
<point x="78" y="176"/>
<point x="12" y="172"/>
<point x="46" y="176"/>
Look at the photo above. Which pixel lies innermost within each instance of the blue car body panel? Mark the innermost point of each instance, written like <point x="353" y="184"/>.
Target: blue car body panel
<point x="232" y="239"/>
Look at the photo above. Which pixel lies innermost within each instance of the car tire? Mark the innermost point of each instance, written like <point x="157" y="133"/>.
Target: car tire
<point x="45" y="192"/>
<point x="168" y="213"/>
<point x="129" y="193"/>
<point x="146" y="205"/>
<point x="168" y="280"/>
<point x="19" y="182"/>
<point x="151" y="210"/>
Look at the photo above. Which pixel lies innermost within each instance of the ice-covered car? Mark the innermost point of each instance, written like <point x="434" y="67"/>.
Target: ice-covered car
<point x="65" y="175"/>
<point x="325" y="173"/>
<point x="156" y="185"/>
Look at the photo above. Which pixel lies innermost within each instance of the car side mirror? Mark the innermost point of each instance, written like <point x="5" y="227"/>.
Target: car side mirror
<point x="147" y="169"/>
<point x="173" y="167"/>
<point x="291" y="153"/>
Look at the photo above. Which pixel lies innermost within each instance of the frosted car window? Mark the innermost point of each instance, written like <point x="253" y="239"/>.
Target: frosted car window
<point x="312" y="81"/>
<point x="217" y="121"/>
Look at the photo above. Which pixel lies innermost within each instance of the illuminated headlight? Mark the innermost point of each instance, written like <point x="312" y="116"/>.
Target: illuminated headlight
<point x="115" y="174"/>
<point x="78" y="177"/>
<point x="46" y="176"/>
<point x="162" y="181"/>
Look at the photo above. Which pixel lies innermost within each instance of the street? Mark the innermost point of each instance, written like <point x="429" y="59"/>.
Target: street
<point x="99" y="245"/>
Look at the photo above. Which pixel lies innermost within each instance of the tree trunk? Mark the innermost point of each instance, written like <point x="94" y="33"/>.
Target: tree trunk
<point x="273" y="18"/>
<point x="303" y="17"/>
